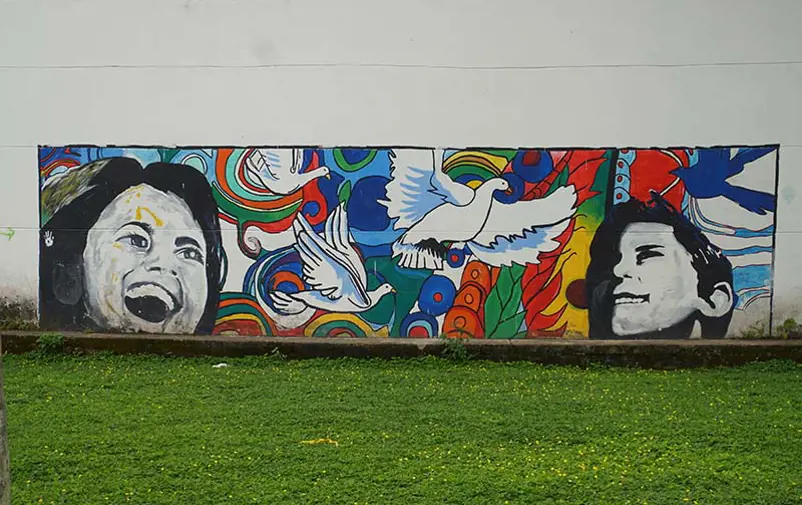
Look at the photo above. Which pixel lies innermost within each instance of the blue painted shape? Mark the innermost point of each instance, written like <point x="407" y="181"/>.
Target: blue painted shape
<point x="436" y="295"/>
<point x="364" y="210"/>
<point x="515" y="192"/>
<point x="532" y="165"/>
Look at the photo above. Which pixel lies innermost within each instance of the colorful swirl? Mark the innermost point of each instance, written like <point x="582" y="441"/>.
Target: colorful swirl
<point x="54" y="160"/>
<point x="240" y="314"/>
<point x="246" y="204"/>
<point x="279" y="271"/>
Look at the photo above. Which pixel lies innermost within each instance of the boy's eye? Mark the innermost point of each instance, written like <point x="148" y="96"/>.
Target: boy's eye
<point x="644" y="255"/>
<point x="191" y="254"/>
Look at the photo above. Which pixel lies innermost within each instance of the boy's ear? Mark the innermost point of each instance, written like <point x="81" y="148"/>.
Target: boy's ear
<point x="720" y="301"/>
<point x="68" y="283"/>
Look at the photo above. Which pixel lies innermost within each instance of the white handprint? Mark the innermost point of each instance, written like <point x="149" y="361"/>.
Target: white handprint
<point x="48" y="238"/>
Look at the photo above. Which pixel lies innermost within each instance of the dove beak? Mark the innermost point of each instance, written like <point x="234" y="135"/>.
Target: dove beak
<point x="392" y="290"/>
<point x="328" y="176"/>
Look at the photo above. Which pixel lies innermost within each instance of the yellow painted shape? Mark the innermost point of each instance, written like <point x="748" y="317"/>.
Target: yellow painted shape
<point x="156" y="221"/>
<point x="310" y="329"/>
<point x="490" y="161"/>
<point x="240" y="317"/>
<point x="574" y="263"/>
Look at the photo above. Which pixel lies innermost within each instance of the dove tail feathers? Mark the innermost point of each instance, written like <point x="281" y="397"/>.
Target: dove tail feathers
<point x="419" y="256"/>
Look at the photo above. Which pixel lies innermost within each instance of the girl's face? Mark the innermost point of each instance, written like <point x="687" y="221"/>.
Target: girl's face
<point x="145" y="265"/>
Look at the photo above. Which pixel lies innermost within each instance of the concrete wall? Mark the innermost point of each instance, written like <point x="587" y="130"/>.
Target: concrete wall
<point x="550" y="74"/>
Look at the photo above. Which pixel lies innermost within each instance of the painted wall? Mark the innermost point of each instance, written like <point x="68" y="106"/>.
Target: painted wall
<point x="495" y="243"/>
<point x="447" y="73"/>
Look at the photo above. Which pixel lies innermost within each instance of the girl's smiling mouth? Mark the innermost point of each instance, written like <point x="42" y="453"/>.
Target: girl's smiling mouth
<point x="151" y="301"/>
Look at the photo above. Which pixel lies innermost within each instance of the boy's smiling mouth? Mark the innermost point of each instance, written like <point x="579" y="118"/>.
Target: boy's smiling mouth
<point x="629" y="299"/>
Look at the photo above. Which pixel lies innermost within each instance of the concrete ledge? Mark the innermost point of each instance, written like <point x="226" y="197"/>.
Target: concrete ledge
<point x="660" y="354"/>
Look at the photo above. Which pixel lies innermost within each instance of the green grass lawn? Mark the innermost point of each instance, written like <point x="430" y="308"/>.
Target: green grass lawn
<point x="148" y="430"/>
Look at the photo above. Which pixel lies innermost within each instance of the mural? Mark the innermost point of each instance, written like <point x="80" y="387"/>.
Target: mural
<point x="483" y="243"/>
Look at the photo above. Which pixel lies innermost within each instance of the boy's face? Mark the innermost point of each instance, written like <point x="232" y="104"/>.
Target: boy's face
<point x="144" y="264"/>
<point x="659" y="286"/>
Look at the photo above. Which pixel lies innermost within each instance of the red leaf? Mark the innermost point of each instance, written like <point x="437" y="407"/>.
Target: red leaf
<point x="547" y="261"/>
<point x="559" y="332"/>
<point x="582" y="178"/>
<point x="543" y="321"/>
<point x="546" y="296"/>
<point x="534" y="285"/>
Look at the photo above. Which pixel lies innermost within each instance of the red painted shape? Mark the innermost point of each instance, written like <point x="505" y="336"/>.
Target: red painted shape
<point x="542" y="300"/>
<point x="576" y="295"/>
<point x="548" y="320"/>
<point x="650" y="172"/>
<point x="418" y="332"/>
<point x="531" y="157"/>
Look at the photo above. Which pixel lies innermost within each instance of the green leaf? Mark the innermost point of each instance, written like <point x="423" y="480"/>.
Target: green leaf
<point x="345" y="192"/>
<point x="602" y="178"/>
<point x="514" y="299"/>
<point x="492" y="312"/>
<point x="509" y="327"/>
<point x="496" y="300"/>
<point x="504" y="299"/>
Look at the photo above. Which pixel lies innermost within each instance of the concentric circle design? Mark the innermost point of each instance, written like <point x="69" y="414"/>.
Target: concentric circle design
<point x="455" y="257"/>
<point x="532" y="165"/>
<point x="419" y="325"/>
<point x="436" y="295"/>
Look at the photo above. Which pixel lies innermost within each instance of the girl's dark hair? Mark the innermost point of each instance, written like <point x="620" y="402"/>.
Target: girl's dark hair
<point x="63" y="237"/>
<point x="711" y="266"/>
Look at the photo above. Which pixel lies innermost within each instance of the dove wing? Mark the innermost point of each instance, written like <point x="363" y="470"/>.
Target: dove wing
<point x="338" y="236"/>
<point x="519" y="232"/>
<point x="418" y="186"/>
<point x="326" y="269"/>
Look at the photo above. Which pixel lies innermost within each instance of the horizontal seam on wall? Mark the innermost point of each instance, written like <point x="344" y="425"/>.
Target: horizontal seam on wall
<point x="403" y="66"/>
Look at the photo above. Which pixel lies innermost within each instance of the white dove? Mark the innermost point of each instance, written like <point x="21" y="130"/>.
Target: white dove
<point x="333" y="269"/>
<point x="433" y="209"/>
<point x="277" y="170"/>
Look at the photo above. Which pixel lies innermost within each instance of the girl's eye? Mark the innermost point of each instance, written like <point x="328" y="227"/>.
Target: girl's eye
<point x="137" y="241"/>
<point x="191" y="254"/>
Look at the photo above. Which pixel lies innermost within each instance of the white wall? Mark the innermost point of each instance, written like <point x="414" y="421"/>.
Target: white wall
<point x="418" y="72"/>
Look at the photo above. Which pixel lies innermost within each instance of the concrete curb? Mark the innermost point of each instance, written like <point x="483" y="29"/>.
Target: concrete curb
<point x="659" y="354"/>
